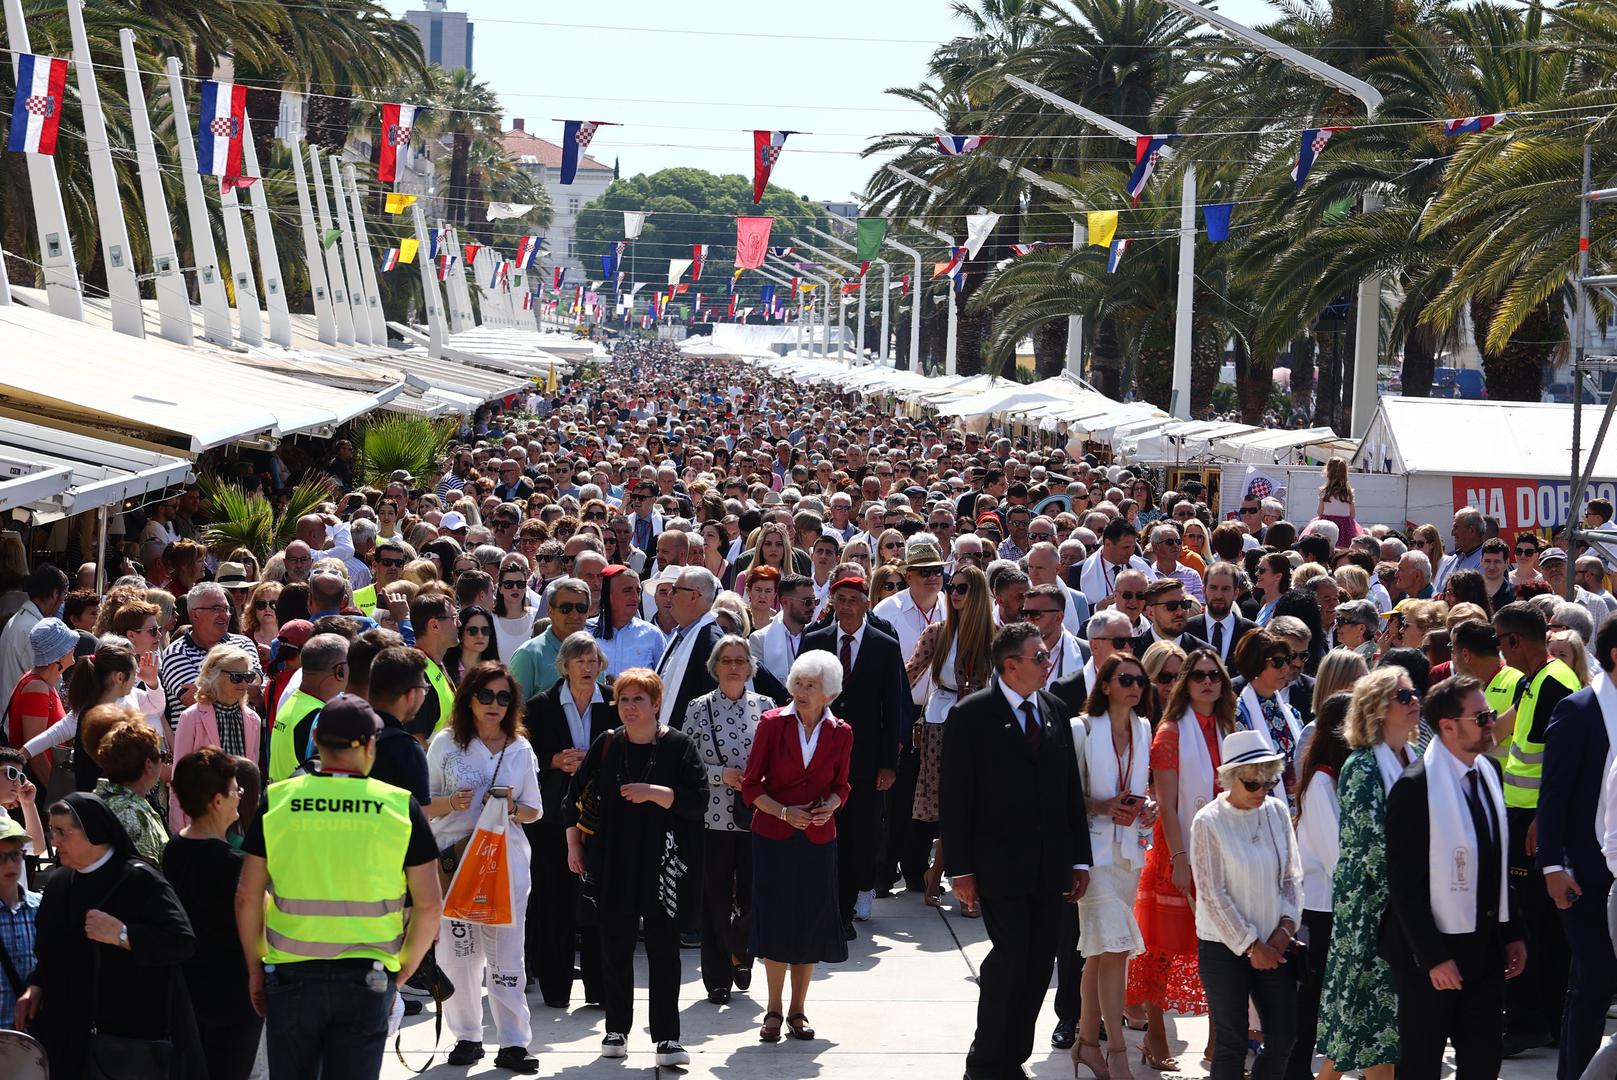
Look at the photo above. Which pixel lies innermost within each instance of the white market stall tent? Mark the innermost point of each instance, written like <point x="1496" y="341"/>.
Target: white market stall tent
<point x="1510" y="459"/>
<point x="55" y="474"/>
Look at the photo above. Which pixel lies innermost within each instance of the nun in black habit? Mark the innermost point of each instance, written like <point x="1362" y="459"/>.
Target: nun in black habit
<point x="106" y="907"/>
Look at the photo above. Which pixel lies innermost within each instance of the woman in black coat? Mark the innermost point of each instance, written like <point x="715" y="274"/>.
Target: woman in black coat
<point x="106" y="908"/>
<point x="562" y="723"/>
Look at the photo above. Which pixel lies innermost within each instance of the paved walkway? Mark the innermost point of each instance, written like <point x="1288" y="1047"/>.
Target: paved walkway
<point x="904" y="1005"/>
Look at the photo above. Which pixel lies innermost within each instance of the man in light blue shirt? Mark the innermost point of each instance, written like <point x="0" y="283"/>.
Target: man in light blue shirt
<point x="626" y="640"/>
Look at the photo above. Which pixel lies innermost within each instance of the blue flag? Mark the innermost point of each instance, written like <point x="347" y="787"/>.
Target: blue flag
<point x="766" y="295"/>
<point x="1217" y="216"/>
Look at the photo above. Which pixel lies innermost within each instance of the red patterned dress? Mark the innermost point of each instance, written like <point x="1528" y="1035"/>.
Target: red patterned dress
<point x="1166" y="974"/>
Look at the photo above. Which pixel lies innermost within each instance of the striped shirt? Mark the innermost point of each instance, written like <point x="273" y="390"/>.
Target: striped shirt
<point x="178" y="666"/>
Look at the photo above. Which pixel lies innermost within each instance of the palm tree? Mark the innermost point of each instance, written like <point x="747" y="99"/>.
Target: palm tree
<point x="465" y="109"/>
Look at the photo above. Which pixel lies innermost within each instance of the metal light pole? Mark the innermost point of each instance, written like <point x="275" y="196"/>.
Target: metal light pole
<point x="778" y="279"/>
<point x="886" y="281"/>
<point x="1080" y="240"/>
<point x="1179" y="395"/>
<point x="915" y="313"/>
<point x="1367" y="328"/>
<point x="825" y="311"/>
<point x="951" y="349"/>
<point x="859" y="338"/>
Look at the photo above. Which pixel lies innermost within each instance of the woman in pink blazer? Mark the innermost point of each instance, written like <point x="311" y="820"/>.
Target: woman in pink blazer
<point x="220" y="717"/>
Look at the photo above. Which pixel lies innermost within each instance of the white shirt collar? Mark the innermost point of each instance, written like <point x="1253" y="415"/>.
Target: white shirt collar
<point x="99" y="863"/>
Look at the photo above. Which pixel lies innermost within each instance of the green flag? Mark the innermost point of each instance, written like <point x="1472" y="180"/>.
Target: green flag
<point x="872" y="231"/>
<point x="1338" y="210"/>
<point x="329" y="238"/>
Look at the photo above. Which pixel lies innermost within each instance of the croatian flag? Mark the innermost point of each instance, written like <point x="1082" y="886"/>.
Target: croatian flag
<point x="609" y="261"/>
<point x="766" y="148"/>
<point x="781" y="252"/>
<point x="559" y="277"/>
<point x="955" y="145"/>
<point x="1313" y="141"/>
<point x="37" y="112"/>
<point x="527" y="301"/>
<point x="445" y="261"/>
<point x="957" y="259"/>
<point x="397" y="123"/>
<point x="1147" y="148"/>
<point x="390" y="260"/>
<point x="1472" y="125"/>
<point x="528" y="251"/>
<point x="575" y="139"/>
<point x="435" y="240"/>
<point x="698" y="260"/>
<point x="732" y="311"/>
<point x="220" y="122"/>
<point x="1115" y="255"/>
<point x="494" y="277"/>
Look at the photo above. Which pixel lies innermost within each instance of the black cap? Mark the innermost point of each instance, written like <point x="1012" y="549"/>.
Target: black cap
<point x="347" y="721"/>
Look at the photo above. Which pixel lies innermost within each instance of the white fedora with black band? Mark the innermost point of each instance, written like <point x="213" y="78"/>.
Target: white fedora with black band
<point x="1246" y="747"/>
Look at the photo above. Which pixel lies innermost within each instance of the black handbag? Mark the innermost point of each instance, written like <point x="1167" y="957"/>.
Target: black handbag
<point x="119" y="1057"/>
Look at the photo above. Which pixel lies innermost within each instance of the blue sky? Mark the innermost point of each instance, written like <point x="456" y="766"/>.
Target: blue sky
<point x="692" y="98"/>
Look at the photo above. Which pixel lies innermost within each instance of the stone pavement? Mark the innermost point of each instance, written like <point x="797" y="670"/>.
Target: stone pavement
<point x="904" y="1005"/>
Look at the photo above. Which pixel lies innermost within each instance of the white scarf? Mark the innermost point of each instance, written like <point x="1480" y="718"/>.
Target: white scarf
<point x="1391" y="768"/>
<point x="674" y="672"/>
<point x="1606" y="697"/>
<point x="1097" y="762"/>
<point x="1452" y="860"/>
<point x="1249" y="711"/>
<point x="1195" y="773"/>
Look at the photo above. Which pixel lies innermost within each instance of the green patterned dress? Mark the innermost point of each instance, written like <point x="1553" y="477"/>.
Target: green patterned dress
<point x="1358" y="1012"/>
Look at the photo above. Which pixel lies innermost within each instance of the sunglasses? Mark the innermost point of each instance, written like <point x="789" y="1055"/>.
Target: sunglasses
<point x="14" y="774"/>
<point x="502" y="698"/>
<point x="1255" y="786"/>
<point x="1406" y="696"/>
<point x="1131" y="596"/>
<point x="239" y="678"/>
<point x="890" y="586"/>
<point x="1250" y="509"/>
<point x="391" y="564"/>
<point x="1164" y="678"/>
<point x="1175" y="605"/>
<point x="581" y="609"/>
<point x="517" y="584"/>
<point x="507" y="523"/>
<point x="475" y="630"/>
<point x="1132" y="680"/>
<point x="959" y="588"/>
<point x="1529" y="550"/>
<point x="1485" y="718"/>
<point x="597" y="516"/>
<point x="261" y="605"/>
<point x="1278" y="662"/>
<point x="1041" y="657"/>
<point x="928" y="571"/>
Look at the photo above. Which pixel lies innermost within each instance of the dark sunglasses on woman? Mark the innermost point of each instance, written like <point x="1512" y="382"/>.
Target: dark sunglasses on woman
<point x="502" y="698"/>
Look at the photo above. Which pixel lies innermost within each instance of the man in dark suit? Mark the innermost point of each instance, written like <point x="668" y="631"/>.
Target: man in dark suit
<point x="872" y="702"/>
<point x="1222" y="625"/>
<point x="551" y="929"/>
<point x="1576" y="749"/>
<point x="683" y="664"/>
<point x="1168" y="609"/>
<point x="1109" y="631"/>
<point x="1015" y="836"/>
<point x="1451" y="944"/>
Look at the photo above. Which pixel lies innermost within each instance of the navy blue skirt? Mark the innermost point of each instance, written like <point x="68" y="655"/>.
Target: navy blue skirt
<point x="795" y="917"/>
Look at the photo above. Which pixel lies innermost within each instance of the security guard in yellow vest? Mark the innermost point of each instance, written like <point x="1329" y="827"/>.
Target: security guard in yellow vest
<point x="1533" y="1000"/>
<point x="325" y="675"/>
<point x="1476" y="653"/>
<point x="434" y="620"/>
<point x="321" y="907"/>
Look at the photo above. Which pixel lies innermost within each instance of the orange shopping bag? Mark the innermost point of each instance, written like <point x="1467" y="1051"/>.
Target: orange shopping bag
<point x="481" y="890"/>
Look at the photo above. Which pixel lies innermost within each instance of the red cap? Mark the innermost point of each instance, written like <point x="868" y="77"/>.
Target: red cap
<point x="987" y="516"/>
<point x="613" y="571"/>
<point x="850" y="581"/>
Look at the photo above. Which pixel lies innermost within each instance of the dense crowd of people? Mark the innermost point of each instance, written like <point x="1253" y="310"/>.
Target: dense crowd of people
<point x="727" y="658"/>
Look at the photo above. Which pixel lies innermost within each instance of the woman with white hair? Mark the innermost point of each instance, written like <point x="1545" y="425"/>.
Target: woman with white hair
<point x="1249" y="892"/>
<point x="796" y="778"/>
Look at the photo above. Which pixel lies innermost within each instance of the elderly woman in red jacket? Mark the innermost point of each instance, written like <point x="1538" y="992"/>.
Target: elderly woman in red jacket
<point x="796" y="778"/>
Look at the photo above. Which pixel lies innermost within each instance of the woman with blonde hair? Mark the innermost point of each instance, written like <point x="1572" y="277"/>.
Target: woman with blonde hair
<point x="1567" y="646"/>
<point x="771" y="546"/>
<point x="1358" y="1017"/>
<point x="1196" y="551"/>
<point x="1336" y="501"/>
<point x="888" y="580"/>
<point x="1414" y="619"/>
<point x="419" y="572"/>
<point x="1163" y="662"/>
<point x="958" y="652"/>
<point x="1428" y="541"/>
<point x="221" y="716"/>
<point x="889" y="548"/>
<point x="1339" y="670"/>
<point x="1354" y="581"/>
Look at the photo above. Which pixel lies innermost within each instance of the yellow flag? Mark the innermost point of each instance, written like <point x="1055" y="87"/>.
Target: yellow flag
<point x="550" y="380"/>
<point x="407" y="250"/>
<point x="397" y="204"/>
<point x="1102" y="227"/>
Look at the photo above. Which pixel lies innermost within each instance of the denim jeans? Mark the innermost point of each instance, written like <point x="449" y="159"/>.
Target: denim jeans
<point x="1230" y="980"/>
<point x="322" y="1020"/>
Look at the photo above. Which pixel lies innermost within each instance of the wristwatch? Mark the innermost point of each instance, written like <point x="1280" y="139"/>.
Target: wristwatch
<point x="123" y="937"/>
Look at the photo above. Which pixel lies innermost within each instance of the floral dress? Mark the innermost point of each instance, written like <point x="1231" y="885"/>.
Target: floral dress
<point x="137" y="817"/>
<point x="1358" y="1012"/>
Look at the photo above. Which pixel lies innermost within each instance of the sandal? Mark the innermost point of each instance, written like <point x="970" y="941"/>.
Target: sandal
<point x="1162" y="1065"/>
<point x="933" y="880"/>
<point x="1089" y="1056"/>
<point x="770" y="1032"/>
<point x="971" y="911"/>
<point x="1117" y="1064"/>
<point x="800" y="1026"/>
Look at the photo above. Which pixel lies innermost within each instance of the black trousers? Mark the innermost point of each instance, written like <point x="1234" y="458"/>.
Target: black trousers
<point x="1231" y="981"/>
<point x="551" y="937"/>
<point x="1318" y="926"/>
<point x="1429" y="1019"/>
<point x="230" y="1048"/>
<point x="617" y="935"/>
<point x="1012" y="981"/>
<point x="858" y="829"/>
<point x="901" y="857"/>
<point x="1534" y="999"/>
<point x="726" y="905"/>
<point x="1593" y="980"/>
<point x="1069" y="966"/>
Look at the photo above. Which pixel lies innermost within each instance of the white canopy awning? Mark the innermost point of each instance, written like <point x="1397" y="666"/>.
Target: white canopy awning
<point x="57" y="474"/>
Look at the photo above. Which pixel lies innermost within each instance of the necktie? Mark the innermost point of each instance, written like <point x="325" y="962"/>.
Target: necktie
<point x="642" y="534"/>
<point x="1487" y="850"/>
<point x="1035" y="734"/>
<point x="847" y="657"/>
<point x="673" y="646"/>
<point x="1218" y="639"/>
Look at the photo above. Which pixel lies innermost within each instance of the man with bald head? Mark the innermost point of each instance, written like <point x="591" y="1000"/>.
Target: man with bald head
<point x="1044" y="568"/>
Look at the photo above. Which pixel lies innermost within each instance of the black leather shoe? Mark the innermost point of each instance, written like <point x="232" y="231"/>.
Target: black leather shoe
<point x="1064" y="1036"/>
<point x="742" y="977"/>
<point x="413" y="1006"/>
<point x="465" y="1052"/>
<point x="556" y="1003"/>
<point x="517" y="1059"/>
<point x="1520" y="1044"/>
<point x="719" y="997"/>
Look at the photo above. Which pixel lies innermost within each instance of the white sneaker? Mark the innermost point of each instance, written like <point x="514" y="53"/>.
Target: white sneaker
<point x="862" y="904"/>
<point x="671" y="1053"/>
<point x="615" y="1045"/>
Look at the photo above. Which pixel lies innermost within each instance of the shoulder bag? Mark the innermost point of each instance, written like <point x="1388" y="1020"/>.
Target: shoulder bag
<point x="738" y="805"/>
<point x="449" y="858"/>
